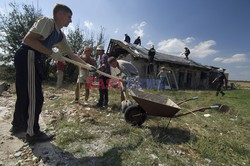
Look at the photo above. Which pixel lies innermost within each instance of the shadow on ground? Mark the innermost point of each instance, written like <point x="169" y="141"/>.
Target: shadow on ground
<point x="171" y="135"/>
<point x="51" y="154"/>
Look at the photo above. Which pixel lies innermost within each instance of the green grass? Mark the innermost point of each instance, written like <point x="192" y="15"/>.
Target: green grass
<point x="221" y="139"/>
<point x="72" y="132"/>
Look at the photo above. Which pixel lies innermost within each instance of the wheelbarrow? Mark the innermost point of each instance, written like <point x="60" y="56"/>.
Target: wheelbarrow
<point x="155" y="105"/>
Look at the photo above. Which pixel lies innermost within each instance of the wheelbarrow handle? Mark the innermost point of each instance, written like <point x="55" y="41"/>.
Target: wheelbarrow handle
<point x="214" y="107"/>
<point x="198" y="110"/>
<point x="90" y="67"/>
<point x="195" y="98"/>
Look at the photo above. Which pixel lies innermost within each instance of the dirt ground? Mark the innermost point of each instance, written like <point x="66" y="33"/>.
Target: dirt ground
<point x="15" y="151"/>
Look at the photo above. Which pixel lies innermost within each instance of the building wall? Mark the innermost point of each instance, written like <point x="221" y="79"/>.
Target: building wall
<point x="140" y="64"/>
<point x="195" y="81"/>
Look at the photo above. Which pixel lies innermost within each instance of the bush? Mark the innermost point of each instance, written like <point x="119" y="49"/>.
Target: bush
<point x="7" y="73"/>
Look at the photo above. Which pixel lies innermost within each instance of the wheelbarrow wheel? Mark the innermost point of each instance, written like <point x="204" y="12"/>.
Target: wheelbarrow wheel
<point x="135" y="115"/>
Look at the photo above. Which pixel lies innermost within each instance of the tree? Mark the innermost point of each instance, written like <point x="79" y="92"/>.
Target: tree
<point x="75" y="39"/>
<point x="101" y="36"/>
<point x="100" y="39"/>
<point x="13" y="27"/>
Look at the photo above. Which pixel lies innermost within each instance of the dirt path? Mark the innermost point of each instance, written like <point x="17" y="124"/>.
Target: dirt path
<point x="9" y="145"/>
<point x="15" y="151"/>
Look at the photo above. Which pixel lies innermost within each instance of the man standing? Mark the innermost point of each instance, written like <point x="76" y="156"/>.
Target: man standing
<point x="103" y="80"/>
<point x="220" y="79"/>
<point x="83" y="74"/>
<point x="43" y="35"/>
<point x="163" y="78"/>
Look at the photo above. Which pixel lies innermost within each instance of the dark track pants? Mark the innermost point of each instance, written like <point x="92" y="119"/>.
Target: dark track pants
<point x="103" y="90"/>
<point x="28" y="89"/>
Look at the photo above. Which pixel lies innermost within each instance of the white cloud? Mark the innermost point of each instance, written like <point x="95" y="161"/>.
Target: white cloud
<point x="150" y="43"/>
<point x="171" y="46"/>
<point x="139" y="29"/>
<point x="176" y="46"/>
<point x="189" y="40"/>
<point x="232" y="59"/>
<point x="203" y="49"/>
<point x="218" y="59"/>
<point x="88" y="24"/>
<point x="116" y="30"/>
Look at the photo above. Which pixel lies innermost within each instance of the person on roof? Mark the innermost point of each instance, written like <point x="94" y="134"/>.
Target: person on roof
<point x="137" y="41"/>
<point x="127" y="38"/>
<point x="186" y="52"/>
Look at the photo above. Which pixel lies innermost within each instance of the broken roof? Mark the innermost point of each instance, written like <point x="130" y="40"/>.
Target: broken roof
<point x="141" y="52"/>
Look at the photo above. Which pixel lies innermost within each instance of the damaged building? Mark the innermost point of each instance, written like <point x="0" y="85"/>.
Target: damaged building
<point x="182" y="73"/>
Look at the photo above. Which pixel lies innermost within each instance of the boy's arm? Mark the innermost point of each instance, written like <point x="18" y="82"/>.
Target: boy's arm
<point x="40" y="30"/>
<point x="33" y="40"/>
<point x="64" y="47"/>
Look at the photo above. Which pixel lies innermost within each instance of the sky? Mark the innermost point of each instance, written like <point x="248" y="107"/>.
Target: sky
<point x="217" y="32"/>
